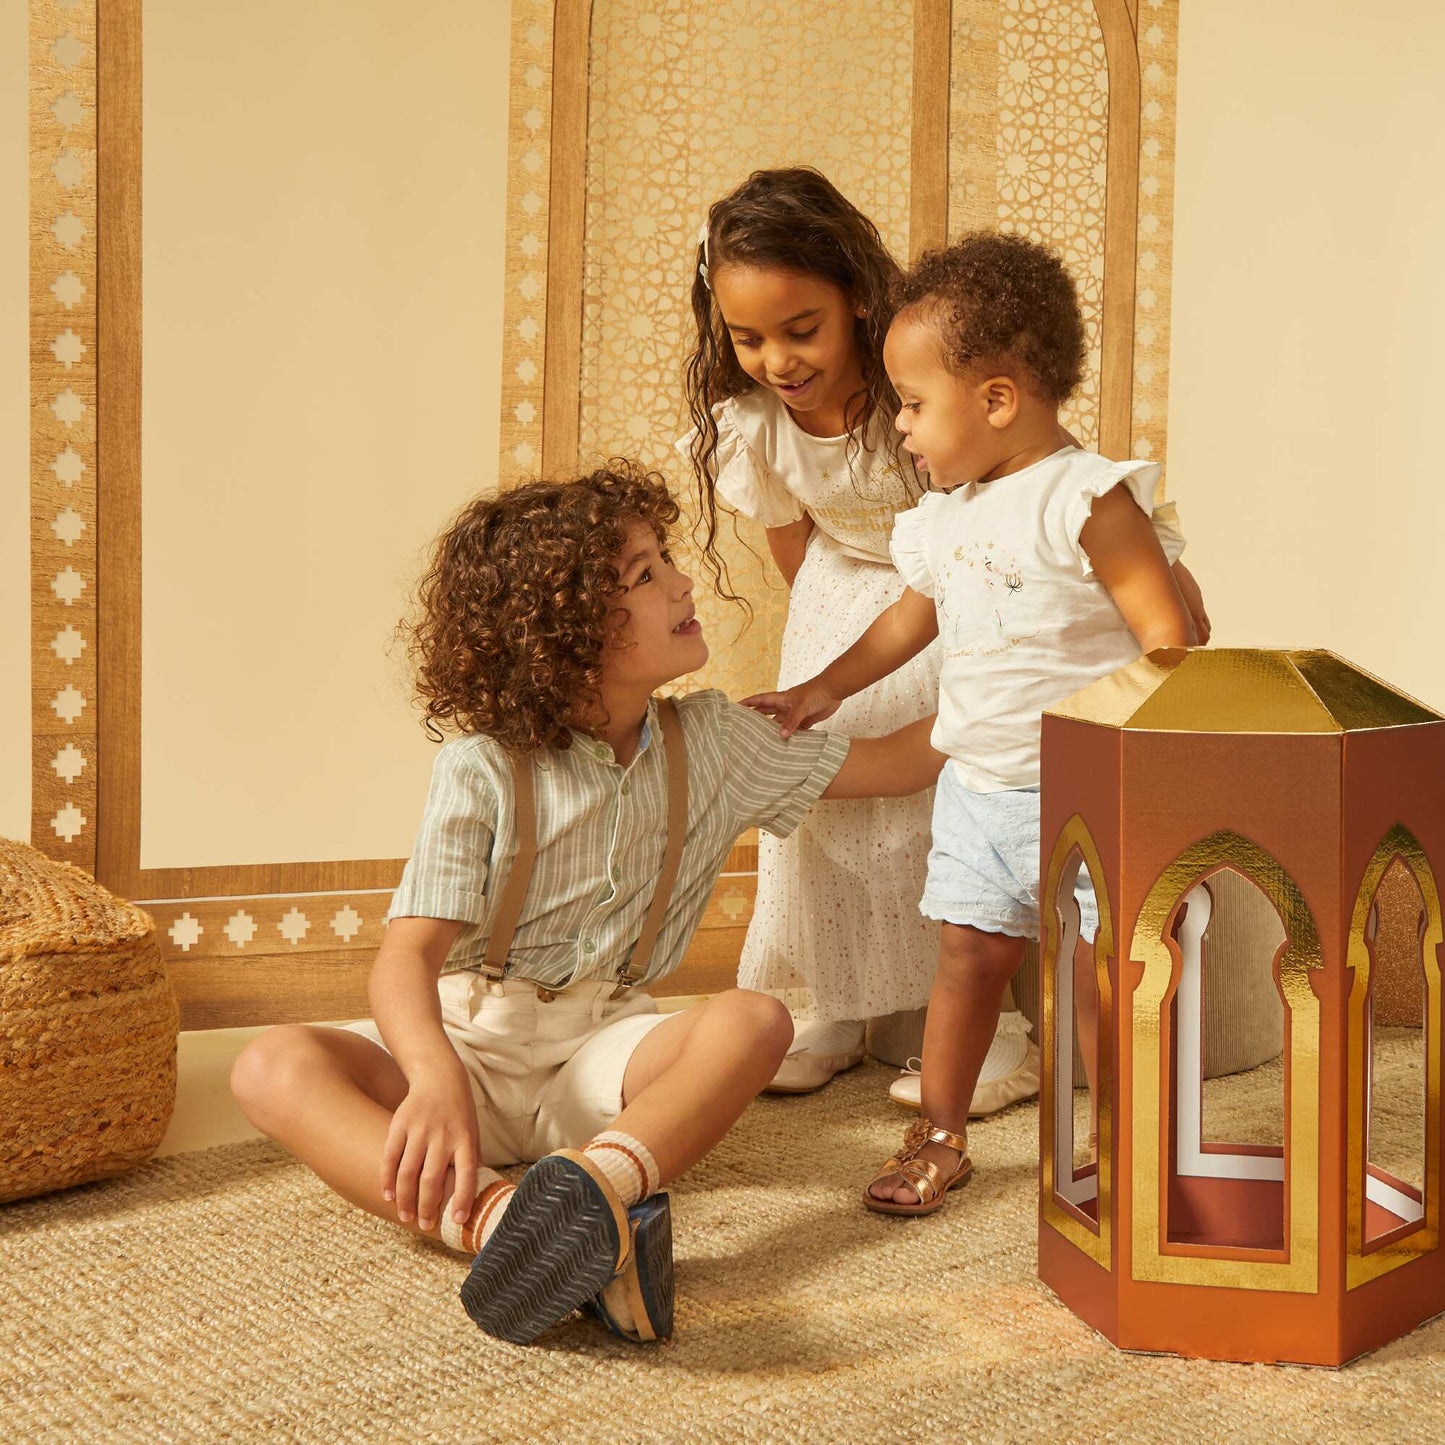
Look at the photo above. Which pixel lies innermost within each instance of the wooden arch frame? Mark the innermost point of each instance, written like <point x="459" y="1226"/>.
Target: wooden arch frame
<point x="85" y="290"/>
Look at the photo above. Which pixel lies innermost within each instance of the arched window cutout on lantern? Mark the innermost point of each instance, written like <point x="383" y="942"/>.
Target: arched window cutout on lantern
<point x="1239" y="1207"/>
<point x="1227" y="1128"/>
<point x="1393" y="1182"/>
<point x="1076" y="1045"/>
<point x="1395" y="1064"/>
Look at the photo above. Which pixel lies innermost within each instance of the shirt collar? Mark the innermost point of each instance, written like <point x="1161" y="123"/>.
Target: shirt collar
<point x="595" y="750"/>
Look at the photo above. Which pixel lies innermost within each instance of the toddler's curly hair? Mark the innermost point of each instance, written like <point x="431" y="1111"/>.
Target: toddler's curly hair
<point x="517" y="607"/>
<point x="997" y="298"/>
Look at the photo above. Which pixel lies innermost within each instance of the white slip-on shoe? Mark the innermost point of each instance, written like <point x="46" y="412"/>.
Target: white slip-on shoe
<point x="1010" y="1072"/>
<point x="820" y="1050"/>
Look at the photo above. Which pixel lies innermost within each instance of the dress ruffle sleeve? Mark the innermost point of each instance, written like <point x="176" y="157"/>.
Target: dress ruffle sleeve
<point x="1141" y="478"/>
<point x="906" y="545"/>
<point x="742" y="476"/>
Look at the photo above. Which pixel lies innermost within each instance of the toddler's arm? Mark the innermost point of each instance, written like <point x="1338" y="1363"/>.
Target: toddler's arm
<point x="898" y="633"/>
<point x="435" y="1126"/>
<point x="888" y="767"/>
<point x="1128" y="560"/>
<point x="789" y="545"/>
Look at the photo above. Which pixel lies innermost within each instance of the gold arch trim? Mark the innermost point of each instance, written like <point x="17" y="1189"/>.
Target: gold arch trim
<point x="1151" y="946"/>
<point x="1362" y="1267"/>
<point x="1095" y="1241"/>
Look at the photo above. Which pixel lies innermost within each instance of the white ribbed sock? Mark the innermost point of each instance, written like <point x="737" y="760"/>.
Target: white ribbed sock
<point x="627" y="1163"/>
<point x="1010" y="1047"/>
<point x="493" y="1195"/>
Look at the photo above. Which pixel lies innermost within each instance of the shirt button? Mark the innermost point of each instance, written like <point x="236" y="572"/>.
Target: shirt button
<point x="589" y="946"/>
<point x="626" y="788"/>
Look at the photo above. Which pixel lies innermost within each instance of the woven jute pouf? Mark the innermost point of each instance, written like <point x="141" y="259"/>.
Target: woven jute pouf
<point x="88" y="1026"/>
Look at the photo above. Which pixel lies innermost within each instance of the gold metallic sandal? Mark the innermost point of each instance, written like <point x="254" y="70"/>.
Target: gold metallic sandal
<point x="923" y="1176"/>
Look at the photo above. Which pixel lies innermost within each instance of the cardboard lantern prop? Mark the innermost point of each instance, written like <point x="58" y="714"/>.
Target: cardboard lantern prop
<point x="1310" y="781"/>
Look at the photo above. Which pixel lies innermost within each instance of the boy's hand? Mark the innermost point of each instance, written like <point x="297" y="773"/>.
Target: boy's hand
<point x="434" y="1129"/>
<point x="799" y="707"/>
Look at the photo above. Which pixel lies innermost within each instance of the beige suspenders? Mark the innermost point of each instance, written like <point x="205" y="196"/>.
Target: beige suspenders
<point x="524" y="794"/>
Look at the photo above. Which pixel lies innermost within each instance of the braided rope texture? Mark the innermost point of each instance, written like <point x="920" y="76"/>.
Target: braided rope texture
<point x="88" y="1026"/>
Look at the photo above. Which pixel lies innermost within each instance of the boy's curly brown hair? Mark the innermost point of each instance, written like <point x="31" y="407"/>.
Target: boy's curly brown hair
<point x="997" y="298"/>
<point x="516" y="609"/>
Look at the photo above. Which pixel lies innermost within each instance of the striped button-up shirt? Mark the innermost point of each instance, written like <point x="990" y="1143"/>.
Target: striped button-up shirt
<point x="601" y="834"/>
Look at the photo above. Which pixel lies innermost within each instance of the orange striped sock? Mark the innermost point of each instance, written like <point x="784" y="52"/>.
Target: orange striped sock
<point x="493" y="1196"/>
<point x="627" y="1163"/>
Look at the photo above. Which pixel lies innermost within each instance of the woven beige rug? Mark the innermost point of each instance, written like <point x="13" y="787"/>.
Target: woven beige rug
<point x="227" y="1295"/>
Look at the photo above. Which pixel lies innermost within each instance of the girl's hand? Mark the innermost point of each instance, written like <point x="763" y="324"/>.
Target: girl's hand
<point x="799" y="707"/>
<point x="433" y="1130"/>
<point x="1194" y="601"/>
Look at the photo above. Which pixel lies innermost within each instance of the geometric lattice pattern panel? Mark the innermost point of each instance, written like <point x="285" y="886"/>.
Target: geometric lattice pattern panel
<point x="684" y="100"/>
<point x="1028" y="152"/>
<point x="525" y="307"/>
<point x="1028" y="145"/>
<point x="1158" y="78"/>
<point x="63" y="427"/>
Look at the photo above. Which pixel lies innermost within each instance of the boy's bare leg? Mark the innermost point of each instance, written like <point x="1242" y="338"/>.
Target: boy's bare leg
<point x="691" y="1077"/>
<point x="973" y="970"/>
<point x="327" y="1096"/>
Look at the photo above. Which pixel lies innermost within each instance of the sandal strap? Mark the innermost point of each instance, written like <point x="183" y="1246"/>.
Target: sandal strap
<point x="924" y="1177"/>
<point x="950" y="1140"/>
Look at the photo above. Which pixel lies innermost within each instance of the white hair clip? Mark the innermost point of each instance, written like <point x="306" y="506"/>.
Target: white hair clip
<point x="702" y="265"/>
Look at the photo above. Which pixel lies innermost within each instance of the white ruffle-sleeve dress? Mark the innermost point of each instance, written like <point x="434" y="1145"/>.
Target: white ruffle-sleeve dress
<point x="837" y="905"/>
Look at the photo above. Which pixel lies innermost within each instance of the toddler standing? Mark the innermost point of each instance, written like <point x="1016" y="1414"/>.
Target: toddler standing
<point x="1034" y="566"/>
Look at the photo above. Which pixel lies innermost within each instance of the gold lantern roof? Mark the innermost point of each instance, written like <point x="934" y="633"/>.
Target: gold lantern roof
<point x="1243" y="690"/>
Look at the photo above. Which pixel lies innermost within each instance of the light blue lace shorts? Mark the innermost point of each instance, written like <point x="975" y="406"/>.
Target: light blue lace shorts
<point x="983" y="867"/>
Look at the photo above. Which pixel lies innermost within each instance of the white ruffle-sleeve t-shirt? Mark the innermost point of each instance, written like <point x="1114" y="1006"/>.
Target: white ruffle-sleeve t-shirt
<point x="1022" y="620"/>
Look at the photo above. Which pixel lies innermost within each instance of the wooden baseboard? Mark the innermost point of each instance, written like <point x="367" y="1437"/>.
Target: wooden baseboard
<point x="276" y="988"/>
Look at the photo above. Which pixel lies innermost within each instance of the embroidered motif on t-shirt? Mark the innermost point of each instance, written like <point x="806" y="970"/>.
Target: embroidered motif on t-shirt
<point x="976" y="588"/>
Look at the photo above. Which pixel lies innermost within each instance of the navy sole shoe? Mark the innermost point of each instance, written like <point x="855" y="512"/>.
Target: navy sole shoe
<point x="638" y="1304"/>
<point x="562" y="1240"/>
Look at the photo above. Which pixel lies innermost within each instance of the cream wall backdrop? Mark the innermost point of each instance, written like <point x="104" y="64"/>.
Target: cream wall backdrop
<point x="14" y="428"/>
<point x="323" y="226"/>
<point x="1309" y="307"/>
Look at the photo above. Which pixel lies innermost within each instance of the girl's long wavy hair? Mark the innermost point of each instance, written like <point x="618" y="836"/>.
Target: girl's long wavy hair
<point x="791" y="220"/>
<point x="515" y="613"/>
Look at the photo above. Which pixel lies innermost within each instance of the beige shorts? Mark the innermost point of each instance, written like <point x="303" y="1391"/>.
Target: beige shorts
<point x="546" y="1072"/>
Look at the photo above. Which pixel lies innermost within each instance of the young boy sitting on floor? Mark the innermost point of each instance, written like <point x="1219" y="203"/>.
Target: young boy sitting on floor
<point x="510" y="1021"/>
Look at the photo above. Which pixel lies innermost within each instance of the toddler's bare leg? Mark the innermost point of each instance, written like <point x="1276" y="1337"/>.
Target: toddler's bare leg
<point x="691" y="1077"/>
<point x="974" y="968"/>
<point x="327" y="1096"/>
